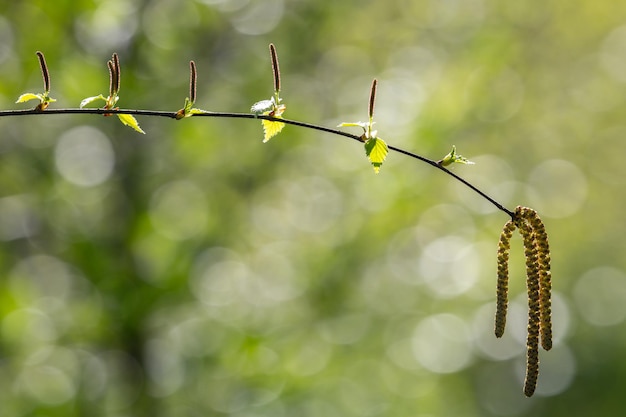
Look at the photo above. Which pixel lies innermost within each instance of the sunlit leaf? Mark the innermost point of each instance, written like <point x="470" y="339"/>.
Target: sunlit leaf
<point x="90" y="100"/>
<point x="129" y="120"/>
<point x="28" y="97"/>
<point x="368" y="133"/>
<point x="376" y="150"/>
<point x="271" y="129"/>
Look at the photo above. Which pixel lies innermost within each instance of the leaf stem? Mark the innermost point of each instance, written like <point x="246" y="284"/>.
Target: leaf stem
<point x="172" y="115"/>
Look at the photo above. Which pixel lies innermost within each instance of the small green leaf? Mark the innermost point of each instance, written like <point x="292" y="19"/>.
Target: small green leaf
<point x="129" y="120"/>
<point x="46" y="98"/>
<point x="368" y="133"/>
<point x="354" y="124"/>
<point x="30" y="96"/>
<point x="376" y="150"/>
<point x="90" y="100"/>
<point x="452" y="157"/>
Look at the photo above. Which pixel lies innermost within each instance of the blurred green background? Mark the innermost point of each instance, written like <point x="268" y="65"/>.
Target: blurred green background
<point x="196" y="271"/>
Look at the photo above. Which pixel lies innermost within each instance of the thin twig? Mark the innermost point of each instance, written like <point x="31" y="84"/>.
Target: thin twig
<point x="172" y="115"/>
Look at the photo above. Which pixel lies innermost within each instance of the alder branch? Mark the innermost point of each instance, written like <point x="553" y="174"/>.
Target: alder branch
<point x="172" y="115"/>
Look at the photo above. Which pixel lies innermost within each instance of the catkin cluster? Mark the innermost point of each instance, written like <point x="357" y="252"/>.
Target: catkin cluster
<point x="538" y="284"/>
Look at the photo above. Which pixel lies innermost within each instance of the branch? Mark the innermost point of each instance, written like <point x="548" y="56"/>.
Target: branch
<point x="172" y="115"/>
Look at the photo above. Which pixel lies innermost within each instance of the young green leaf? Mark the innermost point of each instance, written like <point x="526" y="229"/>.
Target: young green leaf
<point x="90" y="100"/>
<point x="452" y="157"/>
<point x="363" y="125"/>
<point x="376" y="150"/>
<point x="44" y="100"/>
<point x="129" y="120"/>
<point x="28" y="97"/>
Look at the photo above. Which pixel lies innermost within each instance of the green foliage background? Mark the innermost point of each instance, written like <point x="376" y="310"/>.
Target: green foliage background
<point x="195" y="271"/>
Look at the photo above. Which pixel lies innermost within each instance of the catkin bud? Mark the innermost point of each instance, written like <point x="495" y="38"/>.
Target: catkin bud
<point x="193" y="76"/>
<point x="112" y="78"/>
<point x="44" y="71"/>
<point x="372" y="101"/>
<point x="275" y="68"/>
<point x="114" y="74"/>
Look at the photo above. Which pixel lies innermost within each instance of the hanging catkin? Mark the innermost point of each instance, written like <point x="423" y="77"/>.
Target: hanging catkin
<point x="504" y="246"/>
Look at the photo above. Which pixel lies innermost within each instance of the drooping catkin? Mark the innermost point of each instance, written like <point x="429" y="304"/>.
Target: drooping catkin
<point x="538" y="284"/>
<point x="504" y="246"/>
<point x="545" y="278"/>
<point x="532" y="284"/>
